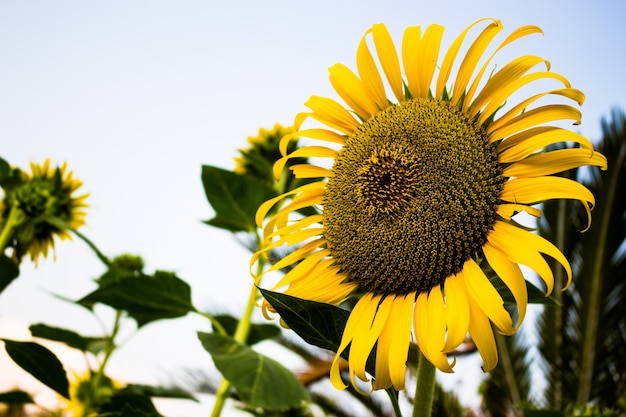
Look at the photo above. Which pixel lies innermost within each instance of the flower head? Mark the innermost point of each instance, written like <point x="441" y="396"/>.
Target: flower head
<point x="85" y="397"/>
<point x="39" y="207"/>
<point x="420" y="198"/>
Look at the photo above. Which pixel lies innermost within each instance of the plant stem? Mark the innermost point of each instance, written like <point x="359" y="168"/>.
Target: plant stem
<point x="424" y="388"/>
<point x="241" y="334"/>
<point x="63" y="225"/>
<point x="92" y="399"/>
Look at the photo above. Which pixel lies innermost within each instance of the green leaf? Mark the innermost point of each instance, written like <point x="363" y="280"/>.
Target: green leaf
<point x="258" y="331"/>
<point x="40" y="363"/>
<point x="125" y="403"/>
<point x="70" y="338"/>
<point x="16" y="397"/>
<point x="8" y="271"/>
<point x="145" y="298"/>
<point x="234" y="197"/>
<point x="318" y="324"/>
<point x="161" y="392"/>
<point x="259" y="381"/>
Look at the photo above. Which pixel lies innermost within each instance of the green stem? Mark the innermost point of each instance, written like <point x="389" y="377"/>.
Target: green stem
<point x="241" y="335"/>
<point x="63" y="225"/>
<point x="504" y="356"/>
<point x="7" y="230"/>
<point x="92" y="399"/>
<point x="424" y="388"/>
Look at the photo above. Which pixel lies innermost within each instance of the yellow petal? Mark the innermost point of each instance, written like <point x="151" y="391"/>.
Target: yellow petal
<point x="553" y="162"/>
<point x="361" y="316"/>
<point x="511" y="274"/>
<point x="370" y="76"/>
<point x="487" y="298"/>
<point x="507" y="211"/>
<point x="310" y="171"/>
<point x="351" y="90"/>
<point x="430" y="328"/>
<point x="393" y="344"/>
<point x="363" y="342"/>
<point x="429" y="53"/>
<point x="332" y="114"/>
<point x="319" y="134"/>
<point x="523" y="144"/>
<point x="505" y="91"/>
<point x="267" y="206"/>
<point x="448" y="60"/>
<point x="524" y="248"/>
<point x="480" y="330"/>
<point x="304" y="152"/>
<point x="535" y="190"/>
<point x="508" y="74"/>
<point x="516" y="34"/>
<point x="470" y="61"/>
<point x="411" y="58"/>
<point x="388" y="59"/>
<point x="456" y="311"/>
<point x="532" y="118"/>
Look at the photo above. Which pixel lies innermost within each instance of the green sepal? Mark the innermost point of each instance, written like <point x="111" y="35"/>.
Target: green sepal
<point x="40" y="362"/>
<point x="258" y="331"/>
<point x="235" y="198"/>
<point x="9" y="270"/>
<point x="145" y="298"/>
<point x="72" y="339"/>
<point x="259" y="381"/>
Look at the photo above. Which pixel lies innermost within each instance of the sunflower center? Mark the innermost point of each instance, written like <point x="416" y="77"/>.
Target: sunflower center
<point x="413" y="195"/>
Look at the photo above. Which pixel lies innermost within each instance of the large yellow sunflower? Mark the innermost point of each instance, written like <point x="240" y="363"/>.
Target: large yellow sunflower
<point x="421" y="195"/>
<point x="40" y="207"/>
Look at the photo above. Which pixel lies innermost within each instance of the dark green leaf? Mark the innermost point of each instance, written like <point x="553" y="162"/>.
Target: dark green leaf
<point x="127" y="404"/>
<point x="145" y="298"/>
<point x="258" y="331"/>
<point x="70" y="338"/>
<point x="8" y="271"/>
<point x="235" y="198"/>
<point x="40" y="363"/>
<point x="161" y="392"/>
<point x="16" y="397"/>
<point x="318" y="324"/>
<point x="259" y="381"/>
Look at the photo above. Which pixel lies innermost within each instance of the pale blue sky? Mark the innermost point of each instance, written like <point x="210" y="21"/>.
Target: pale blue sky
<point x="137" y="95"/>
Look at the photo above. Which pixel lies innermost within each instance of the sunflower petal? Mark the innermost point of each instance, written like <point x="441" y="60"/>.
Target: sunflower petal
<point x="470" y="61"/>
<point x="370" y="75"/>
<point x="457" y="312"/>
<point x="430" y="328"/>
<point x="532" y="118"/>
<point x="351" y="90"/>
<point x="332" y="114"/>
<point x="553" y="162"/>
<point x="523" y="144"/>
<point x="482" y="291"/>
<point x="388" y="59"/>
<point x="480" y="330"/>
<point x="511" y="274"/>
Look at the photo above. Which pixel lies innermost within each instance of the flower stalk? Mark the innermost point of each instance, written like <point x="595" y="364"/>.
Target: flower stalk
<point x="424" y="388"/>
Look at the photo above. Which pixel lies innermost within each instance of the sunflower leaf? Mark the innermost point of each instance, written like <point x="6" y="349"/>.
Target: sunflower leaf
<point x="235" y="198"/>
<point x="16" y="397"/>
<point x="8" y="271"/>
<point x="145" y="298"/>
<point x="41" y="363"/>
<point x="259" y="381"/>
<point x="317" y="323"/>
<point x="70" y="338"/>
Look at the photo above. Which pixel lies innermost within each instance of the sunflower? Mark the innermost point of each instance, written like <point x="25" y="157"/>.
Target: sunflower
<point x="417" y="206"/>
<point x="40" y="207"/>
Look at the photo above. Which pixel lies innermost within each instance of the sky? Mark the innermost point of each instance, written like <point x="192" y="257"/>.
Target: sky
<point x="137" y="95"/>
